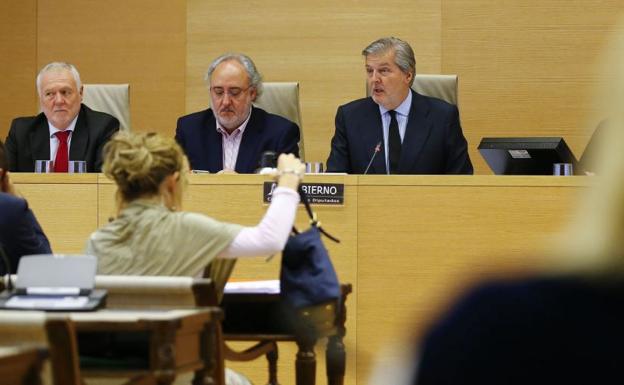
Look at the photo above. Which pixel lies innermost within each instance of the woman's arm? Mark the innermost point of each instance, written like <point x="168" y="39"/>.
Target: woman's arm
<point x="271" y="234"/>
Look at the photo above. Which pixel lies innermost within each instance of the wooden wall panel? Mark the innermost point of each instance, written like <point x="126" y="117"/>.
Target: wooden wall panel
<point x="138" y="42"/>
<point x="526" y="68"/>
<point x="18" y="42"/>
<point x="50" y="195"/>
<point x="418" y="251"/>
<point x="317" y="43"/>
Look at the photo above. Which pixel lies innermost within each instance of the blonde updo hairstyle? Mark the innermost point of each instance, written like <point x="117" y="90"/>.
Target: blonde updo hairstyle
<point x="140" y="162"/>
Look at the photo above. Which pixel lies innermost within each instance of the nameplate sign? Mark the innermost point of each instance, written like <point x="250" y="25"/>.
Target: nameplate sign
<point x="318" y="193"/>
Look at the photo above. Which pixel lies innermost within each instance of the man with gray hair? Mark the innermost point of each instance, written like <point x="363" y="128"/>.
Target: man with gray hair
<point x="232" y="135"/>
<point x="396" y="130"/>
<point x="65" y="130"/>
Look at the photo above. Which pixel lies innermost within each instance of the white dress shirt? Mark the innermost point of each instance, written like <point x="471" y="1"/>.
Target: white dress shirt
<point x="231" y="143"/>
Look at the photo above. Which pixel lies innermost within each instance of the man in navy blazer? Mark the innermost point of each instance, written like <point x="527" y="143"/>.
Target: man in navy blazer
<point x="233" y="134"/>
<point x="20" y="233"/>
<point x="396" y="130"/>
<point x="36" y="137"/>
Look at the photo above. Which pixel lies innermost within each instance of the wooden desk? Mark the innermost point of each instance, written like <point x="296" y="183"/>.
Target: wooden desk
<point x="21" y="365"/>
<point x="408" y="243"/>
<point x="178" y="341"/>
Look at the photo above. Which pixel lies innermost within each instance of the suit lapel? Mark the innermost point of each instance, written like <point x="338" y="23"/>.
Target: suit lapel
<point x="416" y="133"/>
<point x="213" y="141"/>
<point x="373" y="137"/>
<point x="248" y="157"/>
<point x="79" y="138"/>
<point x="39" y="139"/>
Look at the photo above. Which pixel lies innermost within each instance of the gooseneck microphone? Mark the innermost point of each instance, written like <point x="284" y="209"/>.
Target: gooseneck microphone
<point x="375" y="151"/>
<point x="267" y="163"/>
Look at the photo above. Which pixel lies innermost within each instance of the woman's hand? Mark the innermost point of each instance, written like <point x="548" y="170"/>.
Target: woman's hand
<point x="290" y="171"/>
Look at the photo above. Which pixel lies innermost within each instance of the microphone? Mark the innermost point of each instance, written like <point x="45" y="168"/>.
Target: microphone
<point x="267" y="163"/>
<point x="375" y="151"/>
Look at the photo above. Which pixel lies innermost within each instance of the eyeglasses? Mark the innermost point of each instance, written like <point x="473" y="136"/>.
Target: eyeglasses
<point x="51" y="95"/>
<point x="234" y="92"/>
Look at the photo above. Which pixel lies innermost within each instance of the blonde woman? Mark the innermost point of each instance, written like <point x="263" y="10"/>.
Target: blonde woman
<point x="151" y="236"/>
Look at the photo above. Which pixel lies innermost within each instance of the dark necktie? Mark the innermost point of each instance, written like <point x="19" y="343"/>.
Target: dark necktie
<point x="61" y="160"/>
<point x="394" y="144"/>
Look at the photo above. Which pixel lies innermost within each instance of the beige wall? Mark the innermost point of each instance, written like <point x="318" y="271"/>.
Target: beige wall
<point x="138" y="42"/>
<point x="18" y="60"/>
<point x="525" y="67"/>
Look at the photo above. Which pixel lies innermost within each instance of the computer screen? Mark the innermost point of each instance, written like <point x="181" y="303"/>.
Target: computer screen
<point x="526" y="156"/>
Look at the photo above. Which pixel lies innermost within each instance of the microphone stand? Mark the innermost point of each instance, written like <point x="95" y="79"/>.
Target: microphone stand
<point x="375" y="151"/>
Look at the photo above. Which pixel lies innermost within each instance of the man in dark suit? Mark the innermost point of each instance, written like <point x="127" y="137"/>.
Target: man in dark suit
<point x="20" y="233"/>
<point x="65" y="130"/>
<point x="396" y="130"/>
<point x="233" y="134"/>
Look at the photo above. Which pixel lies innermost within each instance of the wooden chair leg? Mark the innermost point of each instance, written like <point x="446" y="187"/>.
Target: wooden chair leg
<point x="272" y="357"/>
<point x="305" y="365"/>
<point x="335" y="358"/>
<point x="213" y="372"/>
<point x="63" y="351"/>
<point x="335" y="355"/>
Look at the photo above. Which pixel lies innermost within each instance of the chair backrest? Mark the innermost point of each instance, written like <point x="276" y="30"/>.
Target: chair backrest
<point x="436" y="86"/>
<point x="141" y="292"/>
<point x="56" y="332"/>
<point x="282" y="98"/>
<point x="113" y="99"/>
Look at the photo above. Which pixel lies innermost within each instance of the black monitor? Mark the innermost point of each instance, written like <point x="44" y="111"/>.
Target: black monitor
<point x="526" y="156"/>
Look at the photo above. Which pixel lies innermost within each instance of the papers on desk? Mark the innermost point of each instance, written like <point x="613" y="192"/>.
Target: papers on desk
<point x="255" y="287"/>
<point x="46" y="302"/>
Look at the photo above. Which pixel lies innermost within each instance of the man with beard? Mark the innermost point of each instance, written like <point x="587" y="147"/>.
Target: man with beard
<point x="233" y="134"/>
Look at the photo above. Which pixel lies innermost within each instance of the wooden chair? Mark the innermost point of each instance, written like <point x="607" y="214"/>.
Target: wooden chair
<point x="22" y="365"/>
<point x="282" y="98"/>
<point x="258" y="313"/>
<point x="157" y="292"/>
<point x="160" y="292"/>
<point x="54" y="332"/>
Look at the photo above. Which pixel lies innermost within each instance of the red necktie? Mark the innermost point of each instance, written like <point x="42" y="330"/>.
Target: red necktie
<point x="61" y="161"/>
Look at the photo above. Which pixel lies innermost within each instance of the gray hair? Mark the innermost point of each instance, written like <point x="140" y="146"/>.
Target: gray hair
<point x="255" y="79"/>
<point x="404" y="55"/>
<point x="56" y="66"/>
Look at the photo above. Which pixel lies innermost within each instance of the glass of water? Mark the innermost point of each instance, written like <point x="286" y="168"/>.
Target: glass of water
<point x="562" y="169"/>
<point x="77" y="166"/>
<point x="44" y="166"/>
